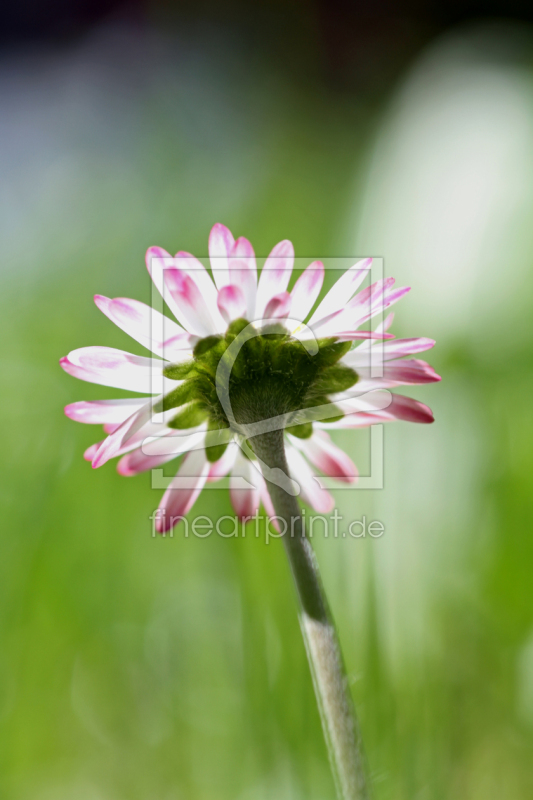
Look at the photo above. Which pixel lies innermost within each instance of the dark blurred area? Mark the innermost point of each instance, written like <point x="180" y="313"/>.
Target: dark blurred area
<point x="352" y="45"/>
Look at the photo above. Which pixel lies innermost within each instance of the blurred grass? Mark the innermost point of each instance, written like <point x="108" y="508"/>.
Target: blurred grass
<point x="135" y="668"/>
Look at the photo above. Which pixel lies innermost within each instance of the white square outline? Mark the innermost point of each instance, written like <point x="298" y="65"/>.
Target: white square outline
<point x="375" y="479"/>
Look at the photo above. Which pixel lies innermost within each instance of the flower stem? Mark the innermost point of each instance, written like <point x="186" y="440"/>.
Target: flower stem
<point x="323" y="651"/>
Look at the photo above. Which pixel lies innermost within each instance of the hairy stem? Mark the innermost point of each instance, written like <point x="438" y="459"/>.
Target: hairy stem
<point x="321" y="641"/>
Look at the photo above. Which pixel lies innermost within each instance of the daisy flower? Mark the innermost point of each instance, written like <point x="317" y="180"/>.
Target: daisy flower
<point x="310" y="372"/>
<point x="247" y="382"/>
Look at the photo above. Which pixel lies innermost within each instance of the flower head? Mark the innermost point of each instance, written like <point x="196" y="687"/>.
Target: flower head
<point x="244" y="356"/>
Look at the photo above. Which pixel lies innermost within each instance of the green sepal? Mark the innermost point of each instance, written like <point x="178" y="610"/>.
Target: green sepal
<point x="215" y="451"/>
<point x="271" y="370"/>
<point x="192" y="415"/>
<point x="207" y="362"/>
<point x="177" y="397"/>
<point x="285" y="355"/>
<point x="338" y="415"/>
<point x="333" y="410"/>
<point x="205" y="392"/>
<point x="255" y="350"/>
<point x="322" y="400"/>
<point x="329" y="351"/>
<point x="276" y="330"/>
<point x="337" y="378"/>
<point x="235" y="328"/>
<point x="231" y="368"/>
<point x="303" y="431"/>
<point x="178" y="372"/>
<point x="204" y="345"/>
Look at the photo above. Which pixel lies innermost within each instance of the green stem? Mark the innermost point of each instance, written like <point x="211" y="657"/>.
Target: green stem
<point x="323" y="651"/>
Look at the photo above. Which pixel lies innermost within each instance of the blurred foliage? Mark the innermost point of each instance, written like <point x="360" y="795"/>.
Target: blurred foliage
<point x="135" y="668"/>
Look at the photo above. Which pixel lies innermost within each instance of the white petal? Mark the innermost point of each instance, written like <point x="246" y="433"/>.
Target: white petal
<point x="326" y="456"/>
<point x="157" y="263"/>
<point x="311" y="492"/>
<point x="400" y="408"/>
<point x="365" y="354"/>
<point x="175" y="441"/>
<point x="110" y="367"/>
<point x="378" y="304"/>
<point x="343" y="290"/>
<point x="135" y="462"/>
<point x="153" y="452"/>
<point x="347" y="318"/>
<point x="231" y="303"/>
<point x="144" y="324"/>
<point x="275" y="275"/>
<point x="146" y="432"/>
<point x="306" y="290"/>
<point x="245" y="501"/>
<point x="278" y="307"/>
<point x="221" y="467"/>
<point x="100" y="412"/>
<point x="123" y="435"/>
<point x="243" y="273"/>
<point x="198" y="273"/>
<point x="183" y="491"/>
<point x="220" y="245"/>
<point x="399" y="372"/>
<point x="191" y="307"/>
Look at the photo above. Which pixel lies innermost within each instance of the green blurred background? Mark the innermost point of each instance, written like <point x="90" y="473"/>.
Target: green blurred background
<point x="134" y="668"/>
